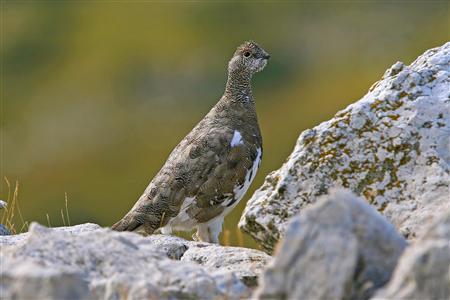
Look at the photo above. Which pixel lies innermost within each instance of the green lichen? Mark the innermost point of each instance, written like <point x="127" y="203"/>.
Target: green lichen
<point x="269" y="241"/>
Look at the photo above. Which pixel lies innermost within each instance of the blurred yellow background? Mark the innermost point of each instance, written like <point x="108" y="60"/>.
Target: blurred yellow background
<point x="95" y="95"/>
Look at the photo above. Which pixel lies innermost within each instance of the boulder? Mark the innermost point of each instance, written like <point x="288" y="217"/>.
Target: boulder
<point x="392" y="147"/>
<point x="423" y="271"/>
<point x="86" y="261"/>
<point x="338" y="248"/>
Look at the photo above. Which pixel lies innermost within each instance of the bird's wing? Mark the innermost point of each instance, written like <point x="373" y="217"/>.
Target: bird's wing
<point x="203" y="166"/>
<point x="228" y="174"/>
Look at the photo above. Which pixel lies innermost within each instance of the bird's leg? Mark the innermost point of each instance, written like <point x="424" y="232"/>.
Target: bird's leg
<point x="209" y="232"/>
<point x="214" y="229"/>
<point x="166" y="230"/>
<point x="202" y="233"/>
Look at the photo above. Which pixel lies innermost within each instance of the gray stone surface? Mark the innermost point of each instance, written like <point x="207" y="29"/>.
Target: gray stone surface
<point x="423" y="271"/>
<point x="30" y="280"/>
<point x="338" y="248"/>
<point x="392" y="147"/>
<point x="4" y="230"/>
<point x="3" y="204"/>
<point x="22" y="237"/>
<point x="86" y="261"/>
<point x="247" y="264"/>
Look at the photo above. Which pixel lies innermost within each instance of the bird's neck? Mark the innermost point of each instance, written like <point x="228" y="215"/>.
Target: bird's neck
<point x="239" y="87"/>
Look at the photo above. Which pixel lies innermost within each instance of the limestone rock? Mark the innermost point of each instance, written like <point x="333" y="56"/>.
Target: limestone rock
<point x="247" y="264"/>
<point x="4" y="230"/>
<point x="22" y="237"/>
<point x="423" y="271"/>
<point x="87" y="261"/>
<point x="39" y="282"/>
<point x="339" y="248"/>
<point x="3" y="204"/>
<point x="392" y="147"/>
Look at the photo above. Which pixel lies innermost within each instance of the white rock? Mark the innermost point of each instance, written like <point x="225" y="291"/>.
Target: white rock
<point x="246" y="264"/>
<point x="4" y="230"/>
<point x="338" y="248"/>
<point x="392" y="147"/>
<point x="3" y="204"/>
<point x="41" y="282"/>
<point x="423" y="271"/>
<point x="86" y="261"/>
<point x="21" y="238"/>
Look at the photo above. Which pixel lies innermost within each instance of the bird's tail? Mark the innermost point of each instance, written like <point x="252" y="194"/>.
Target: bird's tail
<point x="127" y="223"/>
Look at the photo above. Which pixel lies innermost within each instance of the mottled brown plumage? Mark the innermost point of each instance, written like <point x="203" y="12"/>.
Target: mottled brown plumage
<point x="210" y="170"/>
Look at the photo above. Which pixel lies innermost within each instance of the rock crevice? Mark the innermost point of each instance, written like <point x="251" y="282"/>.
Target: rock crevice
<point x="339" y="248"/>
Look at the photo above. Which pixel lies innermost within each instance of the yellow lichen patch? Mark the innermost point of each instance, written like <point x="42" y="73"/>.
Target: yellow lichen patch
<point x="376" y="103"/>
<point x="369" y="194"/>
<point x="403" y="94"/>
<point x="383" y="207"/>
<point x="394" y="117"/>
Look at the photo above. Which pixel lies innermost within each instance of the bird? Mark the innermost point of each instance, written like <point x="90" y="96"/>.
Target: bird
<point x="210" y="170"/>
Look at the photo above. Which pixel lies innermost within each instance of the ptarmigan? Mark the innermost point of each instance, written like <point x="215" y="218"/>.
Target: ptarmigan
<point x="210" y="170"/>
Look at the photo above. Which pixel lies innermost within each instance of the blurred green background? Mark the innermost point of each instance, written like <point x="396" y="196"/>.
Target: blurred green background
<point x="95" y="95"/>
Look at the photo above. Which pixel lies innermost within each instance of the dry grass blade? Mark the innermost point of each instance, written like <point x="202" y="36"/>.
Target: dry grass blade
<point x="162" y="219"/>
<point x="48" y="221"/>
<point x="226" y="237"/>
<point x="62" y="217"/>
<point x="67" y="209"/>
<point x="9" y="212"/>
<point x="16" y="197"/>
<point x="240" y="237"/>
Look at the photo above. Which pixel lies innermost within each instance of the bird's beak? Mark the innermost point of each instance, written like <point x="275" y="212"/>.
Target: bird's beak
<point x="266" y="55"/>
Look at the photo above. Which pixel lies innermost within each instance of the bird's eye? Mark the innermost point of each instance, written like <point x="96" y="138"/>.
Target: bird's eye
<point x="247" y="54"/>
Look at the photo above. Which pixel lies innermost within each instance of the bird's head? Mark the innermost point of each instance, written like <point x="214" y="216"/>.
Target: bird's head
<point x="249" y="57"/>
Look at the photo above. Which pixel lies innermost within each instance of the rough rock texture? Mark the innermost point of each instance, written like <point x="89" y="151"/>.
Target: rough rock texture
<point x="423" y="271"/>
<point x="246" y="264"/>
<point x="41" y="282"/>
<point x="392" y="147"/>
<point x="339" y="248"/>
<point x="86" y="261"/>
<point x="4" y="230"/>
<point x="21" y="238"/>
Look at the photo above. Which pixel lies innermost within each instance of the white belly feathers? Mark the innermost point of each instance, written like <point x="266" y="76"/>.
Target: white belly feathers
<point x="240" y="190"/>
<point x="184" y="222"/>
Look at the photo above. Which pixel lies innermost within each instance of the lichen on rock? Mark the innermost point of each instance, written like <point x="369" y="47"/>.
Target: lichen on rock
<point x="392" y="147"/>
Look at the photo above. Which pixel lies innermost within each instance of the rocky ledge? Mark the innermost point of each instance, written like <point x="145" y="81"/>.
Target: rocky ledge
<point x="392" y="147"/>
<point x="89" y="262"/>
